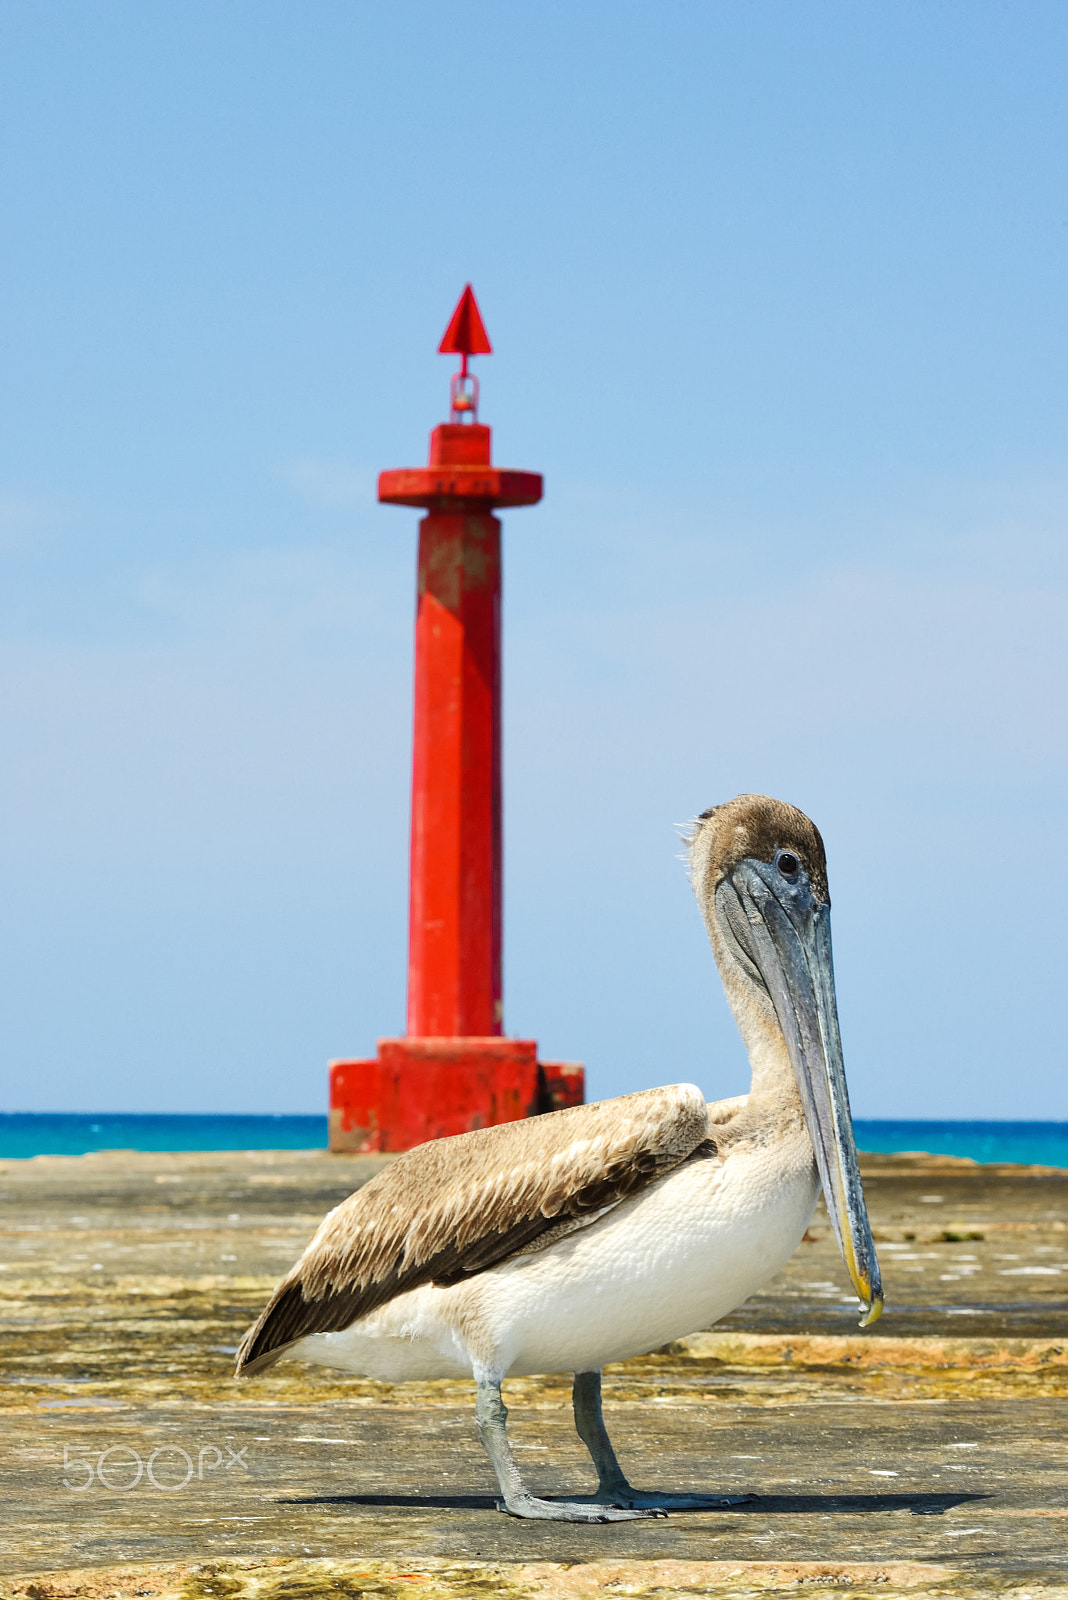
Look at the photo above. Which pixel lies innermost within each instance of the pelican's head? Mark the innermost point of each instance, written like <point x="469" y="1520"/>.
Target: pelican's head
<point x="760" y="874"/>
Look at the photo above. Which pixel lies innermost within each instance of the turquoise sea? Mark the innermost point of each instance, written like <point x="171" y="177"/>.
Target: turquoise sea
<point x="1039" y="1143"/>
<point x="61" y="1133"/>
<point x="29" y="1133"/>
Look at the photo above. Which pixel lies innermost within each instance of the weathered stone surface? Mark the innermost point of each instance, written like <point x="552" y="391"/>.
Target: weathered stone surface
<point x="928" y="1455"/>
<point x="540" y="1580"/>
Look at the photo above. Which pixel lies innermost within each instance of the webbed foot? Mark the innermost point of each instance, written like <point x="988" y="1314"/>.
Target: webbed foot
<point x="529" y="1506"/>
<point x="656" y="1500"/>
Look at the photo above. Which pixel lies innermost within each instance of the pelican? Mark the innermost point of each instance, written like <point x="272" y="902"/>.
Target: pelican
<point x="601" y="1232"/>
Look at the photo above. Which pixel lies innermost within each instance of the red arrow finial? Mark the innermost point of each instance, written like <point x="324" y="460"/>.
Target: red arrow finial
<point x="465" y="336"/>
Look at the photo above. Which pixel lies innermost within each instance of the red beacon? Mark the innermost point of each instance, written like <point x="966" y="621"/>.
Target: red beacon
<point x="464" y="337"/>
<point x="454" y="1070"/>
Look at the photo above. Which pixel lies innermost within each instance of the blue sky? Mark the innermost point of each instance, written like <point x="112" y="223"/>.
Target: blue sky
<point x="777" y="299"/>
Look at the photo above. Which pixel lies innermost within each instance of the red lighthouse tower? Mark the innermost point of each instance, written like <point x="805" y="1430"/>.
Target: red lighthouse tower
<point x="454" y="1070"/>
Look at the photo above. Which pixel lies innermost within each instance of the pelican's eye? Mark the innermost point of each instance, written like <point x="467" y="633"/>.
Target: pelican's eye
<point x="787" y="863"/>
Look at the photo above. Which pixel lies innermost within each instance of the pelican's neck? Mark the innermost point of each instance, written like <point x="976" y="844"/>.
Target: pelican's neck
<point x="771" y="1070"/>
<point x="772" y="1081"/>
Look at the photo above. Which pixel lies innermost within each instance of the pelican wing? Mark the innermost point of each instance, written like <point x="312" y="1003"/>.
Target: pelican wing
<point x="455" y="1207"/>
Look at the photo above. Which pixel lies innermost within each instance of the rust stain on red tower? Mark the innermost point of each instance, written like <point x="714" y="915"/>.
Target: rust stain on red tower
<point x="454" y="1070"/>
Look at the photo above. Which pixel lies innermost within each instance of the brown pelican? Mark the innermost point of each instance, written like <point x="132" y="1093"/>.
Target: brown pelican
<point x="598" y="1233"/>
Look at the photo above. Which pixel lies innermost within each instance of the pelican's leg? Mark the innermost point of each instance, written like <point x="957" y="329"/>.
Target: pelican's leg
<point x="491" y="1414"/>
<point x="613" y="1488"/>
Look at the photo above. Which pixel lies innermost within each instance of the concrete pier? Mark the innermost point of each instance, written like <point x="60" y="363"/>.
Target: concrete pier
<point x="927" y="1456"/>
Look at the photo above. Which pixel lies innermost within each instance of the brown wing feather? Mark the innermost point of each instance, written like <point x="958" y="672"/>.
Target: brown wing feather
<point x="455" y="1207"/>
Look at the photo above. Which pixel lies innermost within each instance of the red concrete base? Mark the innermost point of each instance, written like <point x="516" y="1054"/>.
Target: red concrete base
<point x="419" y="1089"/>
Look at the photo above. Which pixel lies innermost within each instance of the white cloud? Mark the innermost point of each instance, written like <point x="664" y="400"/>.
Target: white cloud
<point x="331" y="485"/>
<point x="27" y="521"/>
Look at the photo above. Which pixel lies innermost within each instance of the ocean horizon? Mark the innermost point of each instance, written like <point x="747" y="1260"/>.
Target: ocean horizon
<point x="24" y="1134"/>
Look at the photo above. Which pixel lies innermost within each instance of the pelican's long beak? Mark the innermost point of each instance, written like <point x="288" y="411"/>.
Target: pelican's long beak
<point x="789" y="934"/>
